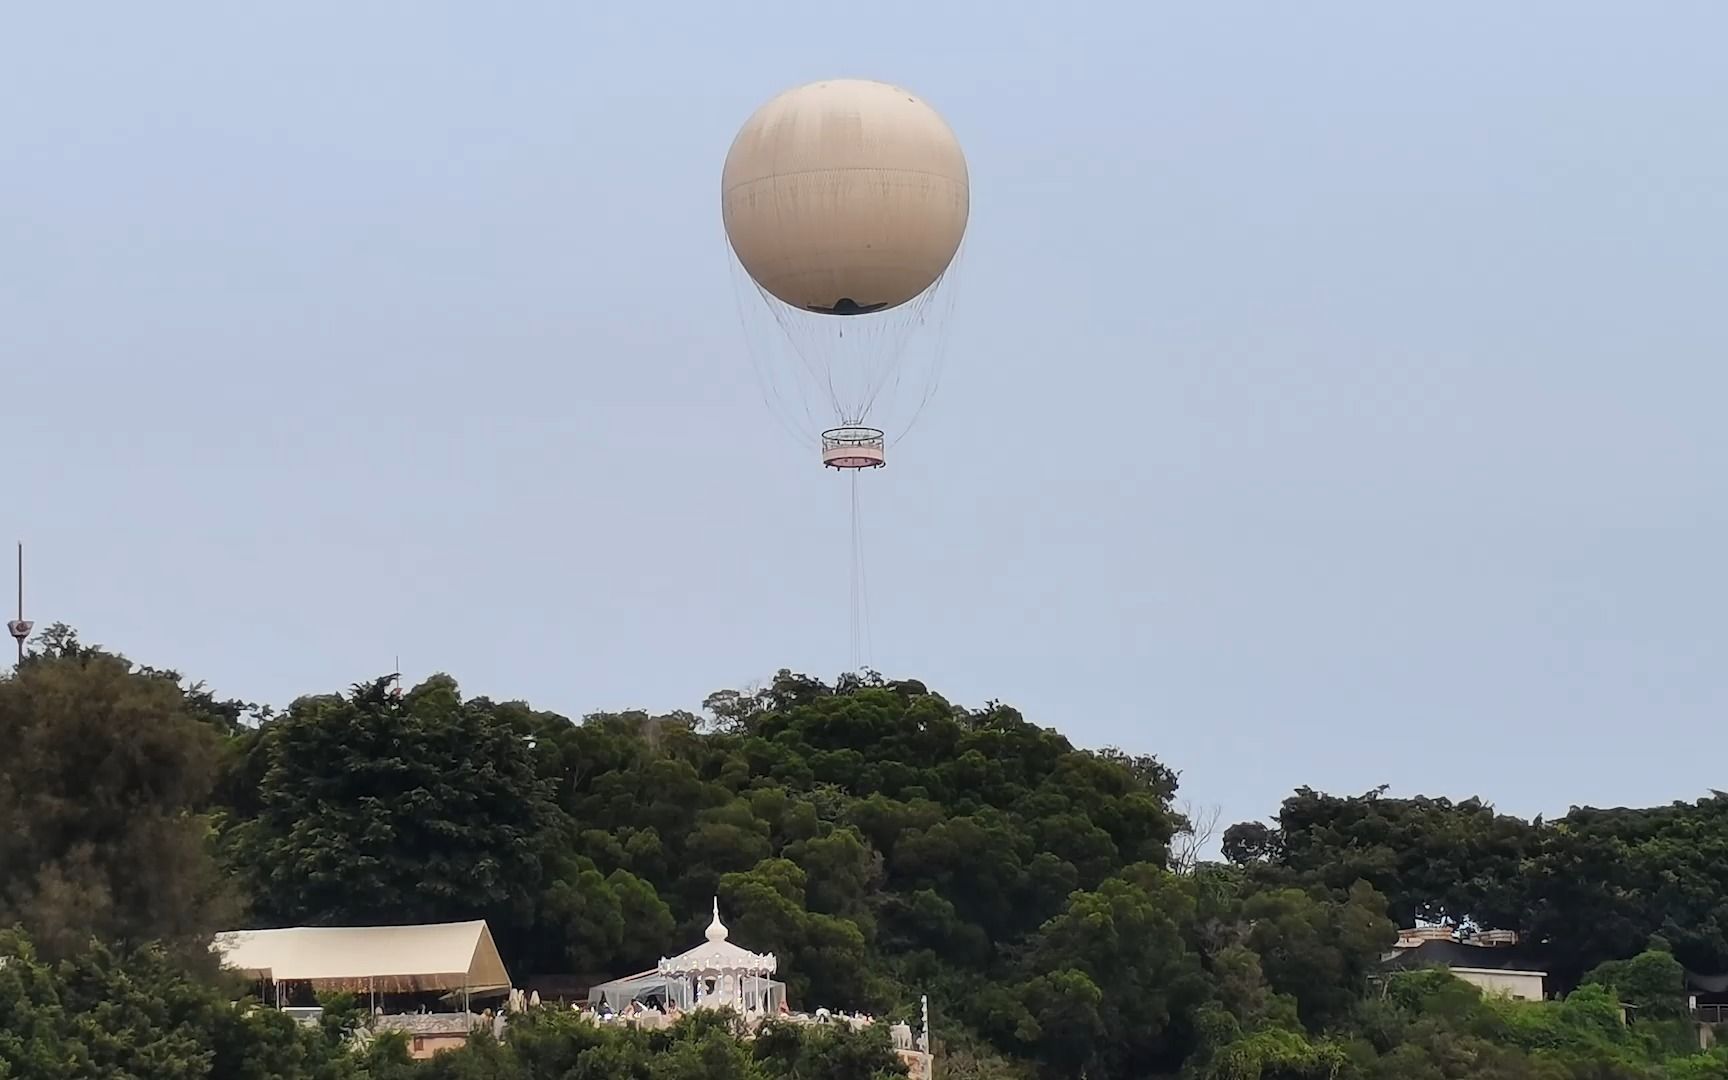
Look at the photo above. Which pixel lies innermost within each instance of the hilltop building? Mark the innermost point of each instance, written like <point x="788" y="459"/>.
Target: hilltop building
<point x="1493" y="960"/>
<point x="715" y="974"/>
<point x="719" y="974"/>
<point x="427" y="981"/>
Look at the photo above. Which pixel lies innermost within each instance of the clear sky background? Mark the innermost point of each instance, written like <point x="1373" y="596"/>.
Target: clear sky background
<point x="1335" y="392"/>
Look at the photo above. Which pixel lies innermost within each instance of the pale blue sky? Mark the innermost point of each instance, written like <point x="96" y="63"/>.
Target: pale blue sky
<point x="1335" y="393"/>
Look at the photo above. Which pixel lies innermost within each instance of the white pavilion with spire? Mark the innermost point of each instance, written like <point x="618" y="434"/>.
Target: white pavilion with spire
<point x="719" y="975"/>
<point x="716" y="974"/>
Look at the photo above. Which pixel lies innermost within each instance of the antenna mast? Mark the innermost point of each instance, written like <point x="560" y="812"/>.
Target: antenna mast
<point x="19" y="628"/>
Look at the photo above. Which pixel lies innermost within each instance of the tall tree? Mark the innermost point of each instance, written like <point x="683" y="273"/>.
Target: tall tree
<point x="1432" y="858"/>
<point x="104" y="780"/>
<point x="1110" y="983"/>
<point x="374" y="808"/>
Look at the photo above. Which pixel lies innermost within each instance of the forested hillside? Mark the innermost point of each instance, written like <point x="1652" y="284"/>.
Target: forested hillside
<point x="884" y="842"/>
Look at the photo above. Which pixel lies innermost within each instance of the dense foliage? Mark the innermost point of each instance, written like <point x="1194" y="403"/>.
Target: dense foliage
<point x="1595" y="884"/>
<point x="104" y="773"/>
<point x="138" y="1016"/>
<point x="884" y="842"/>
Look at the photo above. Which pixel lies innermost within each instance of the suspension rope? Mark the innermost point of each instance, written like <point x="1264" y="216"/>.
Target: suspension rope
<point x="852" y="583"/>
<point x="950" y="285"/>
<point x="863" y="581"/>
<point x="860" y="642"/>
<point x="764" y="363"/>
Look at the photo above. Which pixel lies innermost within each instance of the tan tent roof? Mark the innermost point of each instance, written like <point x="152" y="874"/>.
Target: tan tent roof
<point x="390" y="959"/>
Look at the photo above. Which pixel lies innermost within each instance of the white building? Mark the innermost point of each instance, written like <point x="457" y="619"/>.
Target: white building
<point x="1493" y="961"/>
<point x="715" y="974"/>
<point x="718" y="974"/>
<point x="1505" y="982"/>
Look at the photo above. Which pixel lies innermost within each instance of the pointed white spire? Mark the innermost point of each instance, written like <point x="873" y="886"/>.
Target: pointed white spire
<point x="717" y="929"/>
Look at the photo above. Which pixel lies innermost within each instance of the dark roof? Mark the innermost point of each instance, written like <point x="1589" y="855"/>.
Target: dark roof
<point x="1706" y="984"/>
<point x="1457" y="954"/>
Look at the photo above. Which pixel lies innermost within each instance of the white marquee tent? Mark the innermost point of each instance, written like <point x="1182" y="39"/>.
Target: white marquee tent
<point x="382" y="959"/>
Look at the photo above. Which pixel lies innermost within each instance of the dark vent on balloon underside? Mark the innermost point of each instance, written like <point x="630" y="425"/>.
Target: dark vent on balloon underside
<point x="847" y="306"/>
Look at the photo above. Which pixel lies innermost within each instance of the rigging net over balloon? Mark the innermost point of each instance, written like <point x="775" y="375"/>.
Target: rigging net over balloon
<point x="845" y="203"/>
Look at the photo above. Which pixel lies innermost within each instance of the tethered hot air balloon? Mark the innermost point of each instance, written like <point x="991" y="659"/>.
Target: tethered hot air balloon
<point x="845" y="202"/>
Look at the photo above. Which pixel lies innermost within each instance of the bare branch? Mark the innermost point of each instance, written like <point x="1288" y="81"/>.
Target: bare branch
<point x="1199" y="826"/>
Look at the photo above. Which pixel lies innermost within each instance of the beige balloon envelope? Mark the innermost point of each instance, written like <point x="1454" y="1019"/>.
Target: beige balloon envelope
<point x="845" y="197"/>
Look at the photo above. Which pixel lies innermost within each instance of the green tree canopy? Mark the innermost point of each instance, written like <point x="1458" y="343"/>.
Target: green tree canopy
<point x="884" y="843"/>
<point x="107" y="775"/>
<point x="372" y="808"/>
